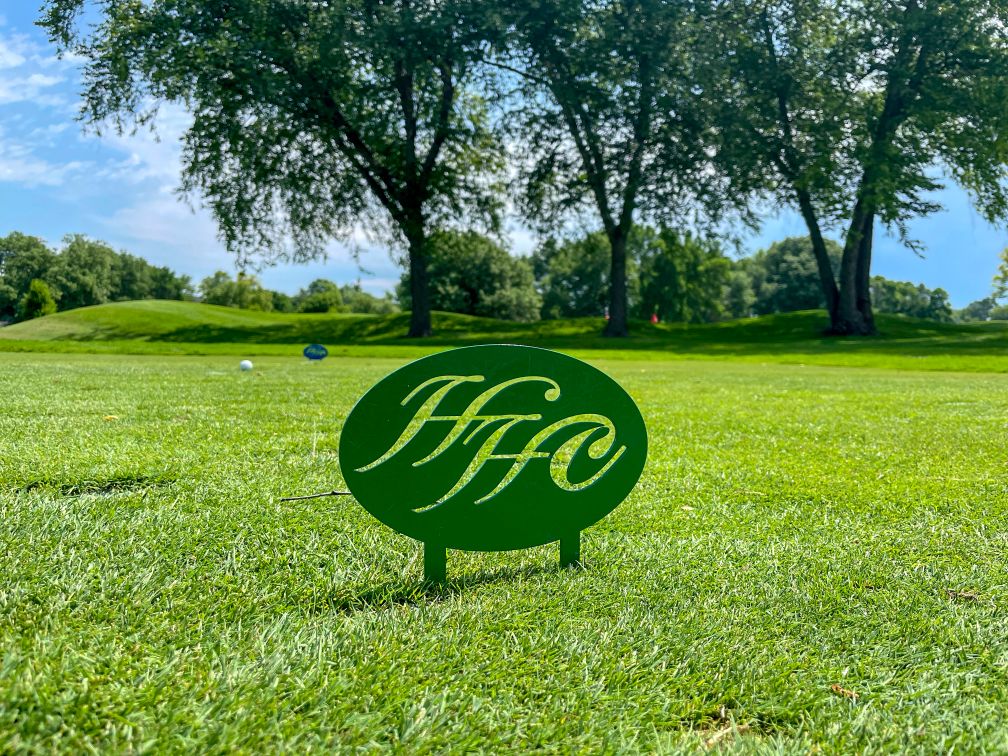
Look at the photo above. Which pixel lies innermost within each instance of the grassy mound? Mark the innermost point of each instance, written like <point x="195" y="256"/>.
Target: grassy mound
<point x="191" y="328"/>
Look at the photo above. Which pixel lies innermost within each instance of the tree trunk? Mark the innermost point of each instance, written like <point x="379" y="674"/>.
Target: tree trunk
<point x="855" y="299"/>
<point x="420" y="312"/>
<point x="826" y="276"/>
<point x="617" y="324"/>
<point x="863" y="280"/>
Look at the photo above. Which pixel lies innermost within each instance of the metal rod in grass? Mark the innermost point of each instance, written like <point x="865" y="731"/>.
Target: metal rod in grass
<point x="316" y="496"/>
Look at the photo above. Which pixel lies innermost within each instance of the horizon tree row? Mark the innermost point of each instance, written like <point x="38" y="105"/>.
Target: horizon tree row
<point x="36" y="280"/>
<point x="406" y="117"/>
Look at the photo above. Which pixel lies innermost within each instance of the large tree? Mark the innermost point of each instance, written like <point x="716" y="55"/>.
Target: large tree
<point x="912" y="300"/>
<point x="85" y="273"/>
<point x="608" y="118"/>
<point x="850" y="110"/>
<point x="37" y="301"/>
<point x="309" y="118"/>
<point x="572" y="276"/>
<point x="244" y="292"/>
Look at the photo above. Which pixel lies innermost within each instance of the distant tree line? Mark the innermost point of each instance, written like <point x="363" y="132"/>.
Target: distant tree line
<point x="36" y="280"/>
<point x="671" y="276"/>
<point x="246" y="292"/>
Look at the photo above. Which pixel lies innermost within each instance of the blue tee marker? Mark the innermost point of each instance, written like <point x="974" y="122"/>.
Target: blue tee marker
<point x="315" y="352"/>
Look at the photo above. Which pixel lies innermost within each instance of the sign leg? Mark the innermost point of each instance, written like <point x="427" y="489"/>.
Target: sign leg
<point x="570" y="550"/>
<point x="435" y="563"/>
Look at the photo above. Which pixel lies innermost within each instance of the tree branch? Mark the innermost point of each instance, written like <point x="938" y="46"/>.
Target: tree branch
<point x="642" y="135"/>
<point x="443" y="123"/>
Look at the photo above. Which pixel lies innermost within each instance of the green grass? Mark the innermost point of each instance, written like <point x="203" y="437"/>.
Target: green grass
<point x="155" y="327"/>
<point x="796" y="528"/>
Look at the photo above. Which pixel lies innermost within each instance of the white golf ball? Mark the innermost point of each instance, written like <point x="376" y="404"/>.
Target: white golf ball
<point x="245" y="364"/>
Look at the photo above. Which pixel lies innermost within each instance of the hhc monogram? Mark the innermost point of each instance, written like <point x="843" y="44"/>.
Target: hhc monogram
<point x="467" y="425"/>
<point x="492" y="448"/>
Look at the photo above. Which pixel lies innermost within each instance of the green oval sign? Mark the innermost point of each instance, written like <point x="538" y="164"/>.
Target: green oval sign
<point x="491" y="448"/>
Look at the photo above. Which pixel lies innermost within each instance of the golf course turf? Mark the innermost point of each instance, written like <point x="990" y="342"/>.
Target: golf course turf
<point x="814" y="558"/>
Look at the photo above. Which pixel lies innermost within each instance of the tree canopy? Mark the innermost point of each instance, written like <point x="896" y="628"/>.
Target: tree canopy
<point x="309" y="119"/>
<point x="785" y="278"/>
<point x="850" y="110"/>
<point x="573" y="276"/>
<point x="609" y="120"/>
<point x="243" y="291"/>
<point x="683" y="279"/>
<point x="403" y="118"/>
<point x="36" y="302"/>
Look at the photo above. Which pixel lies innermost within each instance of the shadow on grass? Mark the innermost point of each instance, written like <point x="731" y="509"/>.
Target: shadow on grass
<point x="775" y="335"/>
<point x="415" y="593"/>
<point x="107" y="487"/>
<point x="185" y="327"/>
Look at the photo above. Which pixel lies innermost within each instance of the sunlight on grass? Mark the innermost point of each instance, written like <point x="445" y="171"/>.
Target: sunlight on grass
<point x="797" y="528"/>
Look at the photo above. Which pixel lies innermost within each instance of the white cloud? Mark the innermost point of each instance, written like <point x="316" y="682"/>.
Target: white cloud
<point x="16" y="50"/>
<point x="29" y="89"/>
<point x="41" y="80"/>
<point x="163" y="218"/>
<point x="47" y="133"/>
<point x="9" y="57"/>
<point x="150" y="155"/>
<point x="20" y="165"/>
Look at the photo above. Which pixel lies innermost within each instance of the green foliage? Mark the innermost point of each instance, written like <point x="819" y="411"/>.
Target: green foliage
<point x="244" y="292"/>
<point x="739" y="298"/>
<point x="8" y="301"/>
<point x="683" y="279"/>
<point x="37" y="301"/>
<point x="320" y="296"/>
<point x="360" y="301"/>
<point x="903" y="298"/>
<point x="979" y="310"/>
<point x="83" y="273"/>
<point x="474" y="275"/>
<point x="23" y="259"/>
<point x="282" y="302"/>
<point x="785" y="277"/>
<point x="1001" y="277"/>
<point x="573" y="276"/>
<point x="167" y="285"/>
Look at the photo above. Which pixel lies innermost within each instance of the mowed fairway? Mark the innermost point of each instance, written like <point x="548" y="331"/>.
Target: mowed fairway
<point x="796" y="528"/>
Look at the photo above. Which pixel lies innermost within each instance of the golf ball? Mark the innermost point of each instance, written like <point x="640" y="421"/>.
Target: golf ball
<point x="245" y="364"/>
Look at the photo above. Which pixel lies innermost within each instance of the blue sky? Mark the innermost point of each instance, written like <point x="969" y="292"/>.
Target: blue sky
<point x="56" y="180"/>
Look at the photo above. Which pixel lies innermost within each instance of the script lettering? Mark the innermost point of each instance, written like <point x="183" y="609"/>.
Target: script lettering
<point x="598" y="437"/>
